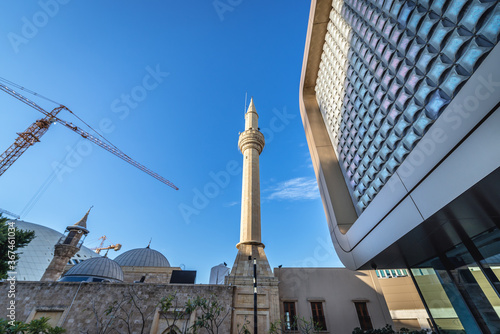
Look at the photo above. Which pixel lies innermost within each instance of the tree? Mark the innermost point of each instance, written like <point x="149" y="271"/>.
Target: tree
<point x="36" y="326"/>
<point x="11" y="239"/>
<point x="133" y="313"/>
<point x="300" y="325"/>
<point x="212" y="314"/>
<point x="172" y="312"/>
<point x="388" y="330"/>
<point x="129" y="312"/>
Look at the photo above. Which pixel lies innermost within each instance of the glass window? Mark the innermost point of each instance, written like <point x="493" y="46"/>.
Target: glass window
<point x="476" y="290"/>
<point x="488" y="245"/>
<point x="318" y="315"/>
<point x="364" y="318"/>
<point x="290" y="316"/>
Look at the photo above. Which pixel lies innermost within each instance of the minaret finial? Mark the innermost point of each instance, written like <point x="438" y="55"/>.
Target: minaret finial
<point x="251" y="106"/>
<point x="83" y="221"/>
<point x="149" y="244"/>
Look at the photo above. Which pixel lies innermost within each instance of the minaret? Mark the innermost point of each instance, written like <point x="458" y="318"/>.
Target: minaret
<point x="251" y="143"/>
<point x="66" y="248"/>
<point x="250" y="247"/>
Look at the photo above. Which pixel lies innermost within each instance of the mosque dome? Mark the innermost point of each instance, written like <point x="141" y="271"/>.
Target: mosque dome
<point x="96" y="269"/>
<point x="36" y="256"/>
<point x="142" y="257"/>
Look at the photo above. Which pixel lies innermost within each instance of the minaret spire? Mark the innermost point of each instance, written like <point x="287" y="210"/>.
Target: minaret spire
<point x="83" y="221"/>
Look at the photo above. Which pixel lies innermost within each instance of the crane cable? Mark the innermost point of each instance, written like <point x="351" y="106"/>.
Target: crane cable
<point x="81" y="120"/>
<point x="43" y="188"/>
<point x="50" y="100"/>
<point x="27" y="90"/>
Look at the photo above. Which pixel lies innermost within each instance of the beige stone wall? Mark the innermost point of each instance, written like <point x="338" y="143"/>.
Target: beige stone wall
<point x="153" y="274"/>
<point x="267" y="303"/>
<point x="337" y="289"/>
<point x="78" y="303"/>
<point x="62" y="254"/>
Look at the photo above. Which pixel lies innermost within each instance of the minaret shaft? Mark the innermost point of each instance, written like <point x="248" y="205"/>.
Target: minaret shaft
<point x="250" y="198"/>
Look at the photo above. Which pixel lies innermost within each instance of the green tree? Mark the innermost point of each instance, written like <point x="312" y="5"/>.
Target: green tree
<point x="388" y="330"/>
<point x="11" y="239"/>
<point x="36" y="326"/>
<point x="211" y="314"/>
<point x="300" y="325"/>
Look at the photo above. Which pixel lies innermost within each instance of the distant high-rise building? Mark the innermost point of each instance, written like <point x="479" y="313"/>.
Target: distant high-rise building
<point x="399" y="101"/>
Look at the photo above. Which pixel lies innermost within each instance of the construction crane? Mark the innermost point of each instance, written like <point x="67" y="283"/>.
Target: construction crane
<point x="115" y="247"/>
<point x="98" y="249"/>
<point x="40" y="127"/>
<point x="9" y="213"/>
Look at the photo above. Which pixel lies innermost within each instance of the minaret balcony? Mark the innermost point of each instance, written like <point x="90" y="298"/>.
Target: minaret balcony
<point x="251" y="138"/>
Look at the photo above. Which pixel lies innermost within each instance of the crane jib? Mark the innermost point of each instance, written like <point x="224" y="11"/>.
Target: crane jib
<point x="36" y="130"/>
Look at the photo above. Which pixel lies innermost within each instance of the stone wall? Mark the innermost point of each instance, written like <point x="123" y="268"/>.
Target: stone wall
<point x="152" y="274"/>
<point x="337" y="289"/>
<point x="81" y="307"/>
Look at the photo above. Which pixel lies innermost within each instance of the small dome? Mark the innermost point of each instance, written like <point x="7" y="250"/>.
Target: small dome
<point x="142" y="257"/>
<point x="99" y="267"/>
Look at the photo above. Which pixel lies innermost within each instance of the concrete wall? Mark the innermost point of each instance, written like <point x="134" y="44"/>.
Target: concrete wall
<point x="405" y="305"/>
<point x="338" y="289"/>
<point x="77" y="304"/>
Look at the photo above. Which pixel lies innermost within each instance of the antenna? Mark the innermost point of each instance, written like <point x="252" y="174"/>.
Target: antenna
<point x="245" y="110"/>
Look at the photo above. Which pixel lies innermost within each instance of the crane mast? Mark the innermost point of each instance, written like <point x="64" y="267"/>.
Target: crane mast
<point x="27" y="138"/>
<point x="40" y="127"/>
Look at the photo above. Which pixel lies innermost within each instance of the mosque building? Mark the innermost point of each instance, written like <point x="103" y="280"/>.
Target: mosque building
<point x="91" y="295"/>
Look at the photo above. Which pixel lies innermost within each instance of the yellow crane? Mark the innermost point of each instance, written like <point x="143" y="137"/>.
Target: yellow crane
<point x="98" y="249"/>
<point x="36" y="130"/>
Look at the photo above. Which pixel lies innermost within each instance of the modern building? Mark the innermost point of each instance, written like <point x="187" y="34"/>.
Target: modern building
<point x="399" y="101"/>
<point x="402" y="298"/>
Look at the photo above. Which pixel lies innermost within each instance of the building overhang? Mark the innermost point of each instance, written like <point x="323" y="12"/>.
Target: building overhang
<point x="458" y="151"/>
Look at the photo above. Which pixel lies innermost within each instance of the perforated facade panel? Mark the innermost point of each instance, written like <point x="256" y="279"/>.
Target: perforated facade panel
<point x="388" y="70"/>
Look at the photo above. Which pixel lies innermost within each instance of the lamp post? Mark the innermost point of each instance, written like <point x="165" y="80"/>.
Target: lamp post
<point x="255" y="296"/>
<point x="254" y="293"/>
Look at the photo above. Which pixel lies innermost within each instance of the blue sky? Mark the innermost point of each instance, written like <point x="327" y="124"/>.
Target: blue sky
<point x="165" y="82"/>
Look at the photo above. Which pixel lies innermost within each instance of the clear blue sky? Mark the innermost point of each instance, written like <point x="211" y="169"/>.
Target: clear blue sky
<point x="166" y="82"/>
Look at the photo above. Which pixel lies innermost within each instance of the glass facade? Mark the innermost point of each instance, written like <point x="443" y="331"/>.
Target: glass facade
<point x="388" y="70"/>
<point x="461" y="286"/>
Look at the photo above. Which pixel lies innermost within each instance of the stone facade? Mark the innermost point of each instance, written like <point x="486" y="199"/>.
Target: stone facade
<point x="81" y="307"/>
<point x="337" y="290"/>
<point x="152" y="274"/>
<point x="62" y="254"/>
